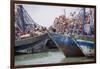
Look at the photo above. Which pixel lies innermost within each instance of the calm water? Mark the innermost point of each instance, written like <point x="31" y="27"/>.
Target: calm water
<point x="47" y="58"/>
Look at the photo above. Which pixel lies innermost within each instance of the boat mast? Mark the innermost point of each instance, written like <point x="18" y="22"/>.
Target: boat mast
<point x="83" y="18"/>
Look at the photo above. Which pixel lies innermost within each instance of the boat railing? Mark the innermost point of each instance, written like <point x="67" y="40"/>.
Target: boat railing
<point x="30" y="40"/>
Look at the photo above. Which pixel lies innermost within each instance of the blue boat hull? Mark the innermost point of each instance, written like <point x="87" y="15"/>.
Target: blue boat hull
<point x="68" y="46"/>
<point x="72" y="47"/>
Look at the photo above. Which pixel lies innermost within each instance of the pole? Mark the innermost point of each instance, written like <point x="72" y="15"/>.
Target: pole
<point x="83" y="18"/>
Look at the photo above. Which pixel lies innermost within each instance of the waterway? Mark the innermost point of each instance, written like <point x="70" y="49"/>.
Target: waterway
<point x="50" y="57"/>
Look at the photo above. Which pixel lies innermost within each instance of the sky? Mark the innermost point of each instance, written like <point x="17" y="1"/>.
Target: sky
<point x="44" y="15"/>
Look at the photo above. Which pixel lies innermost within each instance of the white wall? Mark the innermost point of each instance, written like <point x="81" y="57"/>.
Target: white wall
<point x="5" y="35"/>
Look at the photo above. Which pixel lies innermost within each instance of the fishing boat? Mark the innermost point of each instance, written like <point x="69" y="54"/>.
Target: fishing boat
<point x="69" y="46"/>
<point x="88" y="47"/>
<point x="31" y="44"/>
<point x="74" y="47"/>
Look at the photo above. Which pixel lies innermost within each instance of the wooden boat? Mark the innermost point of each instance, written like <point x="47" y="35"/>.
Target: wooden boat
<point x="69" y="46"/>
<point x="88" y="47"/>
<point x="74" y="48"/>
<point x="31" y="45"/>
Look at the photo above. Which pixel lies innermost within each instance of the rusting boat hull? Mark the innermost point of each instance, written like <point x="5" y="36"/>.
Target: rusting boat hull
<point x="68" y="46"/>
<point x="72" y="51"/>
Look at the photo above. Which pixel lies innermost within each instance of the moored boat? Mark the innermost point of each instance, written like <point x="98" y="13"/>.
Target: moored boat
<point x="67" y="45"/>
<point x="32" y="44"/>
<point x="88" y="47"/>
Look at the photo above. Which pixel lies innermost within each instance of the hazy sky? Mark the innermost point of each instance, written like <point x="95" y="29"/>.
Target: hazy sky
<point x="45" y="15"/>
